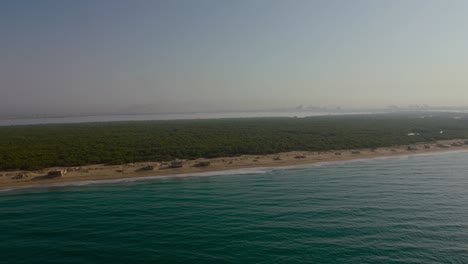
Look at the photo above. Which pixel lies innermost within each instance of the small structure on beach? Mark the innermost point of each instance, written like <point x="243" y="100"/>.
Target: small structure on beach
<point x="427" y="146"/>
<point x="300" y="157"/>
<point x="442" y="146"/>
<point x="176" y="164"/>
<point x="410" y="148"/>
<point x="57" y="173"/>
<point x="202" y="164"/>
<point x="457" y="144"/>
<point x="19" y="176"/>
<point x="147" y="168"/>
<point x="355" y="152"/>
<point x="338" y="153"/>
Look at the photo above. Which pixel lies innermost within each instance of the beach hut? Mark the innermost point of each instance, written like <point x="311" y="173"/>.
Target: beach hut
<point x="202" y="164"/>
<point x="147" y="168"/>
<point x="19" y="176"/>
<point x="176" y="164"/>
<point x="57" y="173"/>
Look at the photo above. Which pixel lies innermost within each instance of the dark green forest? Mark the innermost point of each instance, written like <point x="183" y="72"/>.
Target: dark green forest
<point x="38" y="146"/>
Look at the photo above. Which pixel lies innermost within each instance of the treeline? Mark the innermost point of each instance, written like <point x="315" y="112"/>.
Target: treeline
<point x="38" y="146"/>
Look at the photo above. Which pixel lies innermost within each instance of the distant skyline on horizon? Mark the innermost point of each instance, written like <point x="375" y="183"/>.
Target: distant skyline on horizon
<point x="87" y="56"/>
<point x="149" y="110"/>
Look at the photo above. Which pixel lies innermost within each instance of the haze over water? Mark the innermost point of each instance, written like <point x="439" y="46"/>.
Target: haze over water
<point x="167" y="116"/>
<point x="407" y="209"/>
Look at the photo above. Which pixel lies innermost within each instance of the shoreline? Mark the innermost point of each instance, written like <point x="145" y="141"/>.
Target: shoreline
<point x="95" y="174"/>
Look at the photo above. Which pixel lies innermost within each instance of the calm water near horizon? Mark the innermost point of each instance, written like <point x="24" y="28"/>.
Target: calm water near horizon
<point x="148" y="117"/>
<point x="407" y="209"/>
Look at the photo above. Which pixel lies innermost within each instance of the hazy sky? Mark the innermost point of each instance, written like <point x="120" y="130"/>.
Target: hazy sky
<point x="197" y="55"/>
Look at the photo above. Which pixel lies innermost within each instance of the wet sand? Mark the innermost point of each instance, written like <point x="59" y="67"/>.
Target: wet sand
<point x="107" y="172"/>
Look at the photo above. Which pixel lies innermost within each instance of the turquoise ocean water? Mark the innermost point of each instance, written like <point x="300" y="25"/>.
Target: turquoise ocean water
<point x="408" y="209"/>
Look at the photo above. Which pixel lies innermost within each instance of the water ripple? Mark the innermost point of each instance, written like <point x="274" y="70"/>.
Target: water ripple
<point x="394" y="210"/>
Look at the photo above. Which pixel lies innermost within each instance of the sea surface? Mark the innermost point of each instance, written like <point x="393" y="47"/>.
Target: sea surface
<point x="406" y="209"/>
<point x="149" y="117"/>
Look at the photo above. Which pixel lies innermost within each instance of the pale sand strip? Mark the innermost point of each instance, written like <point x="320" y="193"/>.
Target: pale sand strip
<point x="107" y="172"/>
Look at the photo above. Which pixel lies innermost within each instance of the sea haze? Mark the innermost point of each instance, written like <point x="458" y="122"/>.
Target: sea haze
<point x="410" y="209"/>
<point x="4" y="121"/>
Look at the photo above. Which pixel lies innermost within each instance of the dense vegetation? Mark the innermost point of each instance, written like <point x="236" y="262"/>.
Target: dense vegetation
<point x="39" y="146"/>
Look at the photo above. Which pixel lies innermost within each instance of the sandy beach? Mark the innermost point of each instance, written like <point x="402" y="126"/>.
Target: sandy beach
<point x="142" y="169"/>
